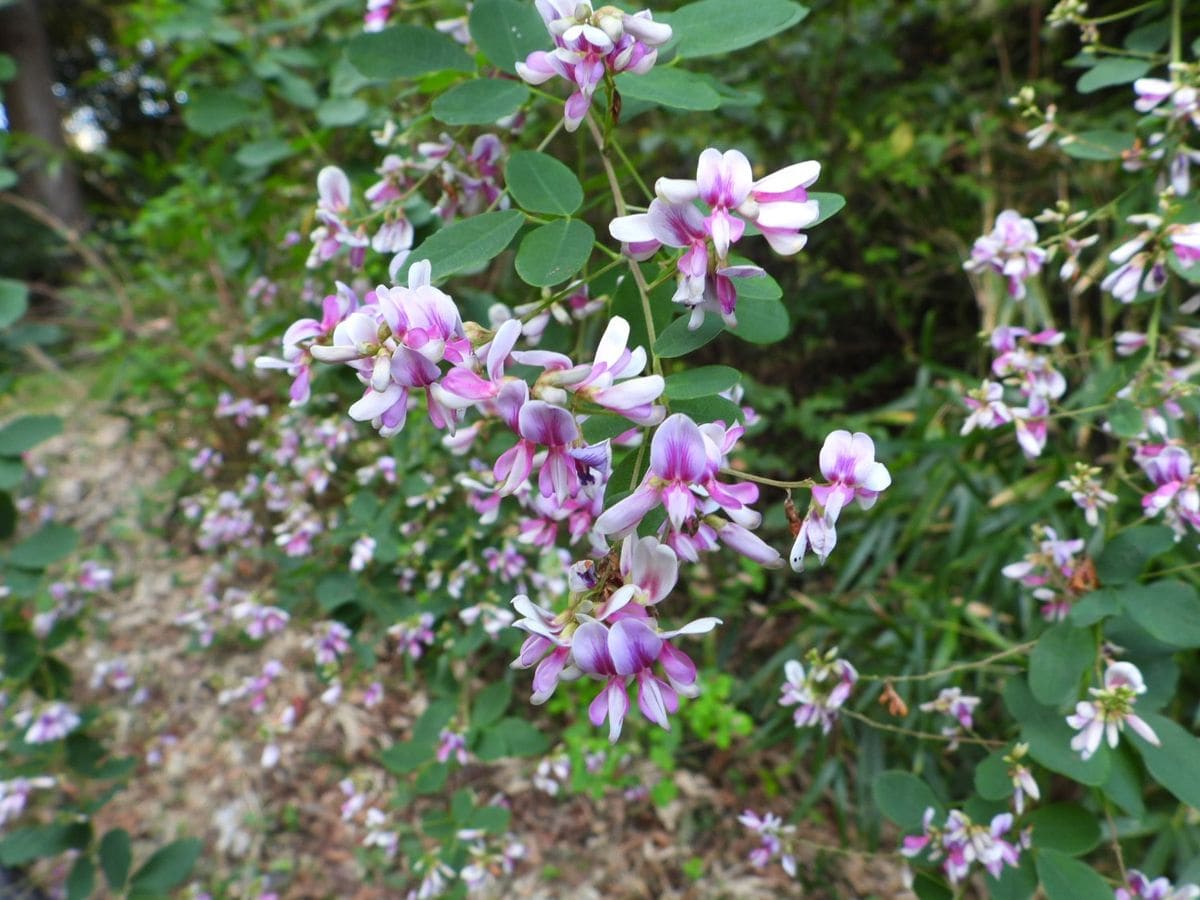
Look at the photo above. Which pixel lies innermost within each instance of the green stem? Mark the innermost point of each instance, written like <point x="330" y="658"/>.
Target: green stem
<point x="762" y="479"/>
<point x="958" y="667"/>
<point x="634" y="267"/>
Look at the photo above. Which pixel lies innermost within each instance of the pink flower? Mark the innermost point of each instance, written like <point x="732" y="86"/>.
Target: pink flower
<point x="53" y="722"/>
<point x="590" y="45"/>
<point x="820" y="691"/>
<point x="848" y="462"/>
<point x="1110" y="711"/>
<point x="1011" y="250"/>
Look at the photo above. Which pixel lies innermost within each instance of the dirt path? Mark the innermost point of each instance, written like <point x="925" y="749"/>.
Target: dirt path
<point x="279" y="829"/>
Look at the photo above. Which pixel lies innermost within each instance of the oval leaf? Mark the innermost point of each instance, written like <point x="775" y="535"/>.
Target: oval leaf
<point x="467" y="245"/>
<point x="50" y="544"/>
<point x="14" y="300"/>
<point x="1124" y="557"/>
<point x="479" y="102"/>
<point x="760" y="320"/>
<point x="1109" y="72"/>
<point x="1064" y="827"/>
<point x="27" y="432"/>
<point x="167" y="868"/>
<point x="1169" y="610"/>
<point x="1064" y="878"/>
<point x="115" y="856"/>
<point x="404" y="51"/>
<point x="706" y="381"/>
<point x="210" y="112"/>
<point x="507" y="31"/>
<point x="1048" y="735"/>
<point x="1101" y="144"/>
<point x="828" y="205"/>
<point x="713" y="27"/>
<point x="1057" y="663"/>
<point x="541" y="184"/>
<point x="674" y="88"/>
<point x="903" y="798"/>
<point x="677" y="340"/>
<point x="1175" y="764"/>
<point x="550" y="254"/>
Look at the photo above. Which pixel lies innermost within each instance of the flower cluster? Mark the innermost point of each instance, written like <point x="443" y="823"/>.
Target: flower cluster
<point x="848" y="464"/>
<point x="963" y="843"/>
<point x="1138" y="885"/>
<point x="1110" y="710"/>
<point x="819" y="692"/>
<point x="1011" y="250"/>
<point x="1050" y="570"/>
<point x="774" y="837"/>
<point x="778" y="205"/>
<point x="590" y="47"/>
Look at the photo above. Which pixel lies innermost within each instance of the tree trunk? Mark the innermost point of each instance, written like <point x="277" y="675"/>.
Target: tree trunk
<point x="33" y="110"/>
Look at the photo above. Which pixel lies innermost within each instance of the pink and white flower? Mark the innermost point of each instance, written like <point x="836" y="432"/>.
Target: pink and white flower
<point x="1110" y="710"/>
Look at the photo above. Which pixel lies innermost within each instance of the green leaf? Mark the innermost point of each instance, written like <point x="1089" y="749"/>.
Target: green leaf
<point x="490" y="818"/>
<point x="50" y="544"/>
<point x="507" y="31"/>
<point x="8" y="66"/>
<point x="550" y="254"/>
<point x="1017" y="882"/>
<point x="338" y="112"/>
<point x="1189" y="272"/>
<point x="27" y="432"/>
<point x="928" y="887"/>
<point x="540" y="183"/>
<point x="702" y="382"/>
<point x="715" y="27"/>
<point x="1058" y="661"/>
<point x="828" y="205"/>
<point x="673" y="88"/>
<point x="335" y="589"/>
<point x="1176" y="763"/>
<point x="992" y="781"/>
<point x="480" y="102"/>
<point x="1064" y="827"/>
<point x="1124" y="557"/>
<point x="1064" y="878"/>
<point x="8" y="178"/>
<point x="82" y="880"/>
<point x="1168" y="610"/>
<point x="405" y="51"/>
<point x="406" y="757"/>
<point x="710" y="409"/>
<point x="760" y="320"/>
<point x="14" y="299"/>
<point x="12" y="472"/>
<point x="169" y="867"/>
<point x="1124" y="783"/>
<point x="1048" y="735"/>
<point x="40" y="841"/>
<point x="1102" y="144"/>
<point x="601" y="427"/>
<point x="511" y="737"/>
<point x="1109" y="72"/>
<point x="212" y="111"/>
<point x="491" y="704"/>
<point x="1126" y="419"/>
<point x="678" y="340"/>
<point x="263" y="153"/>
<point x="1094" y="607"/>
<point x="115" y="857"/>
<point x="466" y="245"/>
<point x="903" y="798"/>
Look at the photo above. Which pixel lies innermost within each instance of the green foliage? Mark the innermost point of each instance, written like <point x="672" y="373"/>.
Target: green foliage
<point x="550" y="254"/>
<point x="540" y="183"/>
<point x="479" y="102"/>
<point x="467" y="245"/>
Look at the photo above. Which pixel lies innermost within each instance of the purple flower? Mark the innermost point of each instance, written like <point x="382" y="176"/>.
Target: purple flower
<point x="1139" y="886"/>
<point x="819" y="692"/>
<point x="590" y="46"/>
<point x="1011" y="250"/>
<point x="52" y="722"/>
<point x="848" y="462"/>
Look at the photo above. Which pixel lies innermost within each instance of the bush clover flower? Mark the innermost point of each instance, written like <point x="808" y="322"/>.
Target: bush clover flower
<point x="819" y="692"/>
<point x="775" y="837"/>
<point x="590" y="47"/>
<point x="1010" y="249"/>
<point x="53" y="722"/>
<point x="1110" y="710"/>
<point x="778" y="205"/>
<point x="963" y="843"/>
<point x="1138" y="885"/>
